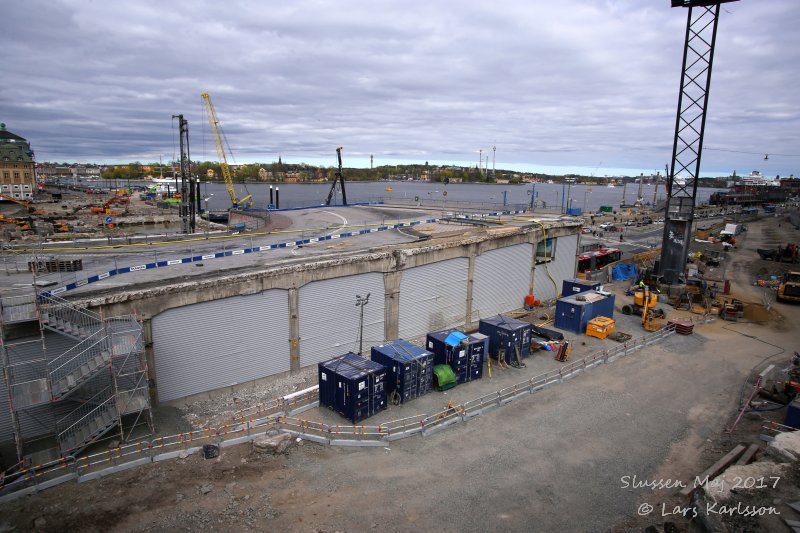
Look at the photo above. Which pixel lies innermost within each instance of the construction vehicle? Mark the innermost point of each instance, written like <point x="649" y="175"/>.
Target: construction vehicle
<point x="789" y="288"/>
<point x="32" y="210"/>
<point x="106" y="207"/>
<point x="650" y="320"/>
<point x="642" y="299"/>
<point x="22" y="224"/>
<point x="338" y="179"/>
<point x="781" y="254"/>
<point x="216" y="132"/>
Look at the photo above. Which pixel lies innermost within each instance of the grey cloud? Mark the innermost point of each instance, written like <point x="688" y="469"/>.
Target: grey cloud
<point x="552" y="83"/>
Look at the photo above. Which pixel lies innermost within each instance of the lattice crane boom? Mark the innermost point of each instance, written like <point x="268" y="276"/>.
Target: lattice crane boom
<point x="213" y="121"/>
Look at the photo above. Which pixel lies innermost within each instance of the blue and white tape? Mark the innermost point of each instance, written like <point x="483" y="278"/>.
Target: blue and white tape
<point x="256" y="249"/>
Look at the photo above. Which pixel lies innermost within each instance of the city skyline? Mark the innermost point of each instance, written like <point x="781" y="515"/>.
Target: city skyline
<point x="578" y="87"/>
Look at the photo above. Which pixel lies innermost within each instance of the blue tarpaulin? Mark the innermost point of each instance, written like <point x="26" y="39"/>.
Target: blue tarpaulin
<point x="623" y="271"/>
<point x="455" y="338"/>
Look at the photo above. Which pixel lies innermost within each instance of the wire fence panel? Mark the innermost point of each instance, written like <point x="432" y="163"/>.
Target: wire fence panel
<point x="273" y="415"/>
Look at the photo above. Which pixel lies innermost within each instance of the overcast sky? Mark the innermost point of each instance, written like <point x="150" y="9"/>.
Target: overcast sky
<point x="568" y="85"/>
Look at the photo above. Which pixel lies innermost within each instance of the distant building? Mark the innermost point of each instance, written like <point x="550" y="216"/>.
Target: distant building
<point x="17" y="174"/>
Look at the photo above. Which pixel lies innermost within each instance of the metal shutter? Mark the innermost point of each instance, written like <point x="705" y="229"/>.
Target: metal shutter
<point x="202" y="347"/>
<point x="329" y="318"/>
<point x="502" y="279"/>
<point x="561" y="268"/>
<point x="6" y="426"/>
<point x="433" y="297"/>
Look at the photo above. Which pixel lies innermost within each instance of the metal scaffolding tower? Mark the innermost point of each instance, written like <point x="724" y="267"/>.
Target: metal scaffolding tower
<point x="687" y="147"/>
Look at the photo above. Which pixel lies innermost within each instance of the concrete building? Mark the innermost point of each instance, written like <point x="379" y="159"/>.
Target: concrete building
<point x="17" y="174"/>
<point x="233" y="330"/>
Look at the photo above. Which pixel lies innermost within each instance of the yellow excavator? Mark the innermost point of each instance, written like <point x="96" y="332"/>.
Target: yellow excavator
<point x="651" y="321"/>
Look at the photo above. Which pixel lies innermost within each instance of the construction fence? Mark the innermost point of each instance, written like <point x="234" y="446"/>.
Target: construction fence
<point x="280" y="416"/>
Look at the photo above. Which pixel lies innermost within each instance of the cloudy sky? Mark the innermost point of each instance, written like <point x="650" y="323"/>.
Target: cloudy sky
<point x="565" y="85"/>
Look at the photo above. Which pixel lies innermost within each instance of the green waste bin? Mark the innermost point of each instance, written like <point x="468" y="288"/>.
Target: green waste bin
<point x="444" y="378"/>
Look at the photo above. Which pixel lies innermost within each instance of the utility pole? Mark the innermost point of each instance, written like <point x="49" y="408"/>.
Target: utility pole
<point x="361" y="302"/>
<point x="480" y="161"/>
<point x="494" y="168"/>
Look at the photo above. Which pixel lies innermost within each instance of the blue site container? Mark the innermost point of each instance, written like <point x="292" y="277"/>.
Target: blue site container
<point x="464" y="353"/>
<point x="576" y="285"/>
<point x="507" y="336"/>
<point x="574" y="312"/>
<point x="479" y="347"/>
<point x="409" y="369"/>
<point x="352" y="386"/>
<point x="449" y="348"/>
<point x="574" y="211"/>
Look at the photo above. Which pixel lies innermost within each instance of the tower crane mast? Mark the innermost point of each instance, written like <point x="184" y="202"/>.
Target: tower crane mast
<point x="213" y="121"/>
<point x="687" y="148"/>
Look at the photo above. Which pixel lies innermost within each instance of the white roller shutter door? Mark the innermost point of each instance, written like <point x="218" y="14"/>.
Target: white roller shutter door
<point x="206" y="346"/>
<point x="329" y="318"/>
<point x="433" y="297"/>
<point x="502" y="279"/>
<point x="560" y="268"/>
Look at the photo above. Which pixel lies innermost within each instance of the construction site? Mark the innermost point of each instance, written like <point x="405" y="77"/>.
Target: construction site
<point x="400" y="364"/>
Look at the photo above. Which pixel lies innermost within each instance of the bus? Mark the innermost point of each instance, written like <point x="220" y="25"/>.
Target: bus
<point x="598" y="258"/>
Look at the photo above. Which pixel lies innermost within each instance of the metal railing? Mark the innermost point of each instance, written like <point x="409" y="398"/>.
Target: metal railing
<point x="18" y="308"/>
<point x="68" y="312"/>
<point x="275" y="415"/>
<point x="80" y="354"/>
<point x="71" y="424"/>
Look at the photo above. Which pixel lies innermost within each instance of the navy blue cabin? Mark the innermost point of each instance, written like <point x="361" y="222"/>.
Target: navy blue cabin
<point x="352" y="386"/>
<point x="508" y="338"/>
<point x="409" y="369"/>
<point x="463" y="353"/>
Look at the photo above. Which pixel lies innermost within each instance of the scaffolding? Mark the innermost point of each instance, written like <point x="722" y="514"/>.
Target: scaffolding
<point x="71" y="377"/>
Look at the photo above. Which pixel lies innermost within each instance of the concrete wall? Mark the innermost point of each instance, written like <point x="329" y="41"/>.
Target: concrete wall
<point x="391" y="262"/>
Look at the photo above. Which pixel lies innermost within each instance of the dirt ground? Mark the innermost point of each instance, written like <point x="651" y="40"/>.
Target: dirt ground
<point x="555" y="461"/>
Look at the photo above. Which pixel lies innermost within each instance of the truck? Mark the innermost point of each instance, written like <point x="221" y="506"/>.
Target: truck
<point x="789" y="288"/>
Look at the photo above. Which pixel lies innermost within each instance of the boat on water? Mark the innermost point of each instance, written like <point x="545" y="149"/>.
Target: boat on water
<point x="389" y="189"/>
<point x="610" y="186"/>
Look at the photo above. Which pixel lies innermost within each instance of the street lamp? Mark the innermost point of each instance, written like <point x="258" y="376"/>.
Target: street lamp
<point x="208" y="218"/>
<point x="361" y="302"/>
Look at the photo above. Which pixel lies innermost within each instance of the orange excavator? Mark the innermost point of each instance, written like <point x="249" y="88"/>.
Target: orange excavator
<point x="106" y="207"/>
<point x="23" y="224"/>
<point x="32" y="210"/>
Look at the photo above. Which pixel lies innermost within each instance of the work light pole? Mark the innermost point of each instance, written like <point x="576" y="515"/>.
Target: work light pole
<point x="361" y="302"/>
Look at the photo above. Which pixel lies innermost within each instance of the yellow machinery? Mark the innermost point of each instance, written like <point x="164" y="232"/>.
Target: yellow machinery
<point x="223" y="159"/>
<point x="650" y="320"/>
<point x="600" y="327"/>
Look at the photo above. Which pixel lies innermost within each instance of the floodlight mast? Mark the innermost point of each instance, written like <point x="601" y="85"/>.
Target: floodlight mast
<point x="687" y="147"/>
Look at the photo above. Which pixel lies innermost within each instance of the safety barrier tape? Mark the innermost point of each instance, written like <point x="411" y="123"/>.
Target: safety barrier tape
<point x="332" y="434"/>
<point x="255" y="249"/>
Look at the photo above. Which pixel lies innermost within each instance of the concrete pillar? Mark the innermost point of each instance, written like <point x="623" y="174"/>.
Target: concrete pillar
<point x="472" y="253"/>
<point x="294" y="330"/>
<point x="391" y="305"/>
<point x="150" y="359"/>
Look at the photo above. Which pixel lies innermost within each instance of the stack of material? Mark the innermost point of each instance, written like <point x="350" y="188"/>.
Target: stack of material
<point x="684" y="327"/>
